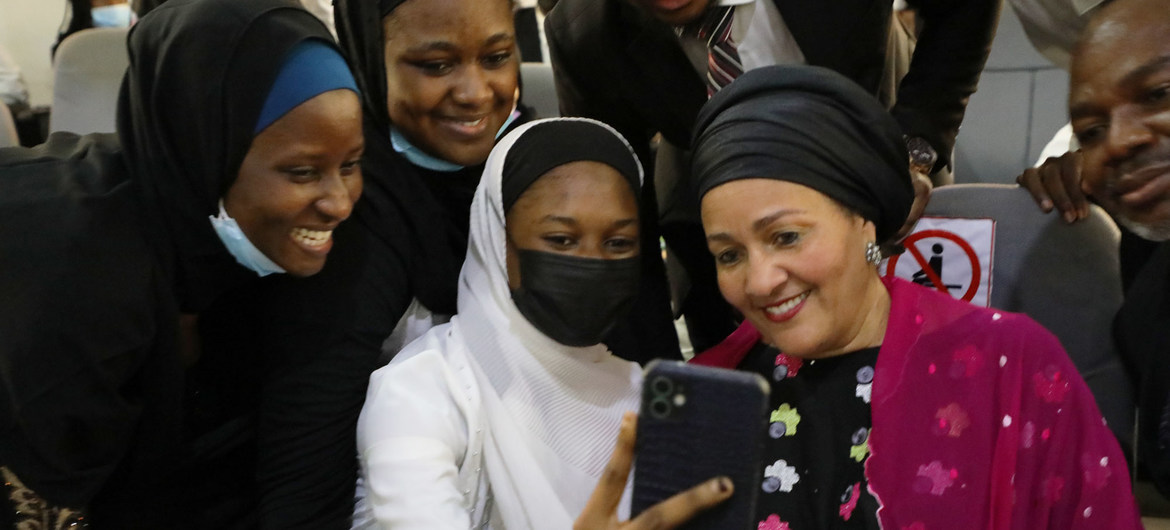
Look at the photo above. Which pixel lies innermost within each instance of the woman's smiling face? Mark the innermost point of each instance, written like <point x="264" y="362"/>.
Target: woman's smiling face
<point x="792" y="260"/>
<point x="452" y="73"/>
<point x="299" y="180"/>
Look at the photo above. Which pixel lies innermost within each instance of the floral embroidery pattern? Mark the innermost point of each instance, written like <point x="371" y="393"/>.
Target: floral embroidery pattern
<point x="859" y="452"/>
<point x="967" y="362"/>
<point x="952" y="420"/>
<point x="792" y="469"/>
<point x="860" y="448"/>
<point x="784" y="421"/>
<point x="935" y="478"/>
<point x="864" y="383"/>
<point x="849" y="500"/>
<point x="786" y="367"/>
<point x="1051" y="386"/>
<point x="780" y="477"/>
<point x="865" y="392"/>
<point x="773" y="522"/>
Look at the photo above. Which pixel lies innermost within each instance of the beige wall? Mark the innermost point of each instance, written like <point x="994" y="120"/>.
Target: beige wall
<point x="28" y="29"/>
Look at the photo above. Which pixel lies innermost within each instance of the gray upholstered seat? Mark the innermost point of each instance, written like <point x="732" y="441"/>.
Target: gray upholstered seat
<point x="539" y="91"/>
<point x="8" y="137"/>
<point x="87" y="74"/>
<point x="1066" y="277"/>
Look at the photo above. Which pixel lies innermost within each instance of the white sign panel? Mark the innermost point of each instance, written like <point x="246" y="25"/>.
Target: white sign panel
<point x="951" y="255"/>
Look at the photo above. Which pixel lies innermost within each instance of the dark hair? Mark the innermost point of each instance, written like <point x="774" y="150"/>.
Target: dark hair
<point x="77" y="18"/>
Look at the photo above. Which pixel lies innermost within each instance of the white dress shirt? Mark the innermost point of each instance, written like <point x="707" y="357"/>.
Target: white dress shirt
<point x="760" y="34"/>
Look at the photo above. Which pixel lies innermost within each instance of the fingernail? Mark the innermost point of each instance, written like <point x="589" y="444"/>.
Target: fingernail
<point x="722" y="484"/>
<point x="1046" y="205"/>
<point x="1070" y="216"/>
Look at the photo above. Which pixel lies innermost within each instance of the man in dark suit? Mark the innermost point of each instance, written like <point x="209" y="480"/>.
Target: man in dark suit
<point x="1119" y="102"/>
<point x="628" y="63"/>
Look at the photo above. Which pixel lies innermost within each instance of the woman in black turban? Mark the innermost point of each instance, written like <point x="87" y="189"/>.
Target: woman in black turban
<point x="802" y="177"/>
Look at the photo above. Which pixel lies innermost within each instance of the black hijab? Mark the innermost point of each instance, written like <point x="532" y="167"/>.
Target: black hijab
<point x="420" y="214"/>
<point x="199" y="73"/>
<point x="555" y="142"/>
<point x="811" y="126"/>
<point x="104" y="240"/>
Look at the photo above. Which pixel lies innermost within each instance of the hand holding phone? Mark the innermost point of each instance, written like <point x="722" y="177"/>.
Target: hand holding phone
<point x="601" y="511"/>
<point x="699" y="422"/>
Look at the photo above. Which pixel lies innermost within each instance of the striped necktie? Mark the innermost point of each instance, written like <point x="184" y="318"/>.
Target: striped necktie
<point x="723" y="64"/>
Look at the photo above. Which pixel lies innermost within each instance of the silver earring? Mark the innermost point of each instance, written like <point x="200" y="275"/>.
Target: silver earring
<point x="873" y="253"/>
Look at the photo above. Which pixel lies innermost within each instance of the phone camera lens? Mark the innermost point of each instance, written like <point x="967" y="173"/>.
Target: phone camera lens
<point x="662" y="386"/>
<point x="660" y="408"/>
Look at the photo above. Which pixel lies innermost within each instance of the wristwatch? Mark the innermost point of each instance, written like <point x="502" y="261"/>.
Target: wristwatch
<point x="922" y="155"/>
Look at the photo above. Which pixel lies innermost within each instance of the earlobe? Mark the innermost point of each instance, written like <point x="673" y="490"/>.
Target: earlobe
<point x="870" y="230"/>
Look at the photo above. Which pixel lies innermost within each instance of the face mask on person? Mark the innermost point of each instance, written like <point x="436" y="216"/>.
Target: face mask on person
<point x="575" y="301"/>
<point x="421" y="159"/>
<point x="112" y="16"/>
<point x="239" y="247"/>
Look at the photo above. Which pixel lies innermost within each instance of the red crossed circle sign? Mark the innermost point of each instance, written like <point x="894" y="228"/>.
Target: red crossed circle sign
<point x="912" y="249"/>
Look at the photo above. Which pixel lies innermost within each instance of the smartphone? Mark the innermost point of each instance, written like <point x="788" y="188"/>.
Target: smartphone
<point x="697" y="423"/>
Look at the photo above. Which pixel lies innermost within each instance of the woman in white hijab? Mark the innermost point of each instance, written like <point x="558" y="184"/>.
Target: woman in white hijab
<point x="505" y="417"/>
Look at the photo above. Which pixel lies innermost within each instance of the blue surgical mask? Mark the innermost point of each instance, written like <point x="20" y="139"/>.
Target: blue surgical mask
<point x="417" y="156"/>
<point x="239" y="247"/>
<point x="420" y="158"/>
<point x="112" y="16"/>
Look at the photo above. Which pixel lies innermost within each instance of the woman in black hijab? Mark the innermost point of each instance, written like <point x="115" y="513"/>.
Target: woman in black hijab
<point x="440" y="80"/>
<point x="240" y="108"/>
<point x="397" y="265"/>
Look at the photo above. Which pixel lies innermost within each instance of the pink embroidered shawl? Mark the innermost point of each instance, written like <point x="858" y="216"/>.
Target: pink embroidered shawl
<point x="981" y="421"/>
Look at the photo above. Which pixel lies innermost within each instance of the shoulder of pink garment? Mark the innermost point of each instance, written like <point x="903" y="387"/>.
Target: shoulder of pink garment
<point x="730" y="352"/>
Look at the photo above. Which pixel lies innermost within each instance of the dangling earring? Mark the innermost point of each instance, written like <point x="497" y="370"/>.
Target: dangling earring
<point x="873" y="253"/>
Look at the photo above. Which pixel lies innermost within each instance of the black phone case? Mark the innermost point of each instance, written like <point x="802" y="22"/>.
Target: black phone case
<point x="718" y="430"/>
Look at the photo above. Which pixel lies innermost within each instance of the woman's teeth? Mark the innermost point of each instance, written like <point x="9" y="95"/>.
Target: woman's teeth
<point x="311" y="238"/>
<point x="786" y="306"/>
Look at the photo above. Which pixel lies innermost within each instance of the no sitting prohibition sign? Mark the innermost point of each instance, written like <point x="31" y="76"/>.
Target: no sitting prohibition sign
<point x="950" y="255"/>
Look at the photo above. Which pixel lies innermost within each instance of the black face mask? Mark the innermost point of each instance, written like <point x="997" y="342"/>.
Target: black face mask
<point x="575" y="301"/>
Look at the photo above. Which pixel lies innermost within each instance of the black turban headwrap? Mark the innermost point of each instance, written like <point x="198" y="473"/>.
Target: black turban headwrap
<point x="810" y="126"/>
<point x="557" y="142"/>
<point x="386" y="6"/>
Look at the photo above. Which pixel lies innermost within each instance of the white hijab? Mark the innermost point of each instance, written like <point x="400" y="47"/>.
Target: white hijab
<point x="552" y="411"/>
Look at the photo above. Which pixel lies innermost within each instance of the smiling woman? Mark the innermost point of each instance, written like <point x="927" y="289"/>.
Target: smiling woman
<point x="439" y="80"/>
<point x="219" y="173"/>
<point x="299" y="180"/>
<point x="451" y="75"/>
<point x="915" y="410"/>
<point x="439" y="84"/>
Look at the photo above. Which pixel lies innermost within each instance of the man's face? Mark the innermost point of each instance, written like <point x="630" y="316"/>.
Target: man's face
<point x="1119" y="103"/>
<point x="674" y="12"/>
